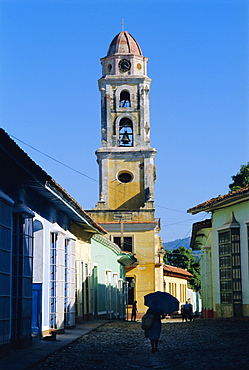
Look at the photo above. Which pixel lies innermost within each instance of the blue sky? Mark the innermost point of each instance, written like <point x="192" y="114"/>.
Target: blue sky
<point x="198" y="62"/>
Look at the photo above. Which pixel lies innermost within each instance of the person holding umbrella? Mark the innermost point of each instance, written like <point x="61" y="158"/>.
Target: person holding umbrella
<point x="155" y="330"/>
<point x="159" y="303"/>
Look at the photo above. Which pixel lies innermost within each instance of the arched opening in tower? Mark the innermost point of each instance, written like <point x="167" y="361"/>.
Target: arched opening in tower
<point x="125" y="132"/>
<point x="125" y="101"/>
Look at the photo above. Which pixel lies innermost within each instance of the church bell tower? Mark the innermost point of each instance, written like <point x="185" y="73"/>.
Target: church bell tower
<point x="126" y="164"/>
<point x="126" y="160"/>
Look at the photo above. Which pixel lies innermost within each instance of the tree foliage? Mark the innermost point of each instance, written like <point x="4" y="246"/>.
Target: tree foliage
<point x="241" y="179"/>
<point x="183" y="258"/>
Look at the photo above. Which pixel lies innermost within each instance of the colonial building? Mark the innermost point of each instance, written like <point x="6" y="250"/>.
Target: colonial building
<point x="56" y="267"/>
<point x="176" y="282"/>
<point x="126" y="165"/>
<point x="225" y="253"/>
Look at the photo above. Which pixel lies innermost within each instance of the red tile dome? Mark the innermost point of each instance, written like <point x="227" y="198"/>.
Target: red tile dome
<point x="124" y="43"/>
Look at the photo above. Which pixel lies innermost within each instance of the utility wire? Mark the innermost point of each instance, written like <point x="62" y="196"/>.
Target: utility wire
<point x="187" y="234"/>
<point x="170" y="209"/>
<point x="181" y="222"/>
<point x="79" y="172"/>
<point x="55" y="160"/>
<point x="63" y="164"/>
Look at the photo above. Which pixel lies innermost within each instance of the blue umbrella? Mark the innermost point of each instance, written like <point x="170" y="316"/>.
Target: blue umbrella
<point x="161" y="302"/>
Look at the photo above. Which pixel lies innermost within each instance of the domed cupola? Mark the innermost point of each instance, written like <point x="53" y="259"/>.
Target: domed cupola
<point x="124" y="43"/>
<point x="124" y="57"/>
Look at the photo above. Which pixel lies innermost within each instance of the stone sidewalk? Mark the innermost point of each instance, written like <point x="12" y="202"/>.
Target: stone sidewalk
<point x="27" y="358"/>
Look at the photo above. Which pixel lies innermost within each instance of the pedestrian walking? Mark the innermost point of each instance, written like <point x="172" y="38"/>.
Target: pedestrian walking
<point x="190" y="312"/>
<point x="187" y="312"/>
<point x="182" y="312"/>
<point x="155" y="330"/>
<point x="134" y="311"/>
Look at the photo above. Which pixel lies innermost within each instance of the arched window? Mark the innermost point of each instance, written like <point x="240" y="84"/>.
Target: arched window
<point x="125" y="101"/>
<point x="125" y="132"/>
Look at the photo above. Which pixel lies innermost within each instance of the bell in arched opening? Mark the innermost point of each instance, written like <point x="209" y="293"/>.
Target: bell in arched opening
<point x="125" y="132"/>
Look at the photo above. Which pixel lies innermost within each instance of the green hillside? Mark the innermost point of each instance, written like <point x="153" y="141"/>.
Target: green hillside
<point x="177" y="243"/>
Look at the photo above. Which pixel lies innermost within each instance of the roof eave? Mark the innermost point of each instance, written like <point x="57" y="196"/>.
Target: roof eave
<point x="76" y="215"/>
<point x="220" y="204"/>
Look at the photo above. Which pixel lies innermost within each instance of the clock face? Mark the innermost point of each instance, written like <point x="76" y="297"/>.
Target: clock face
<point x="124" y="65"/>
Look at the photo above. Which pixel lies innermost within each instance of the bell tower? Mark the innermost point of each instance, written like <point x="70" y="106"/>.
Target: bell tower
<point x="126" y="164"/>
<point x="126" y="160"/>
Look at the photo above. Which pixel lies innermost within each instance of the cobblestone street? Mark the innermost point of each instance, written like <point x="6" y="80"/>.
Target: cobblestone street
<point x="202" y="344"/>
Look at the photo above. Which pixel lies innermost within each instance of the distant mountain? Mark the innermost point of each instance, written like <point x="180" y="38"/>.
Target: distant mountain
<point x="177" y="243"/>
<point x="181" y="243"/>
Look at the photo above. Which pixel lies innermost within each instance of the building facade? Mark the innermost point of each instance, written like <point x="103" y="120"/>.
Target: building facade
<point x="176" y="282"/>
<point x="49" y="253"/>
<point x="226" y="254"/>
<point x="126" y="166"/>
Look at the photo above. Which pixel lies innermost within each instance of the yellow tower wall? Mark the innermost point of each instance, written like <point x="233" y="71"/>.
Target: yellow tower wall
<point x="125" y="195"/>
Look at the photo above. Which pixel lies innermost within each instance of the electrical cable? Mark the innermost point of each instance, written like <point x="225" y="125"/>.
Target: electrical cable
<point x="81" y="173"/>
<point x="91" y="178"/>
<point x="56" y="160"/>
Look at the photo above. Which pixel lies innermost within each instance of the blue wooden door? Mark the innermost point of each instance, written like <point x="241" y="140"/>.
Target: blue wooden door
<point x="36" y="309"/>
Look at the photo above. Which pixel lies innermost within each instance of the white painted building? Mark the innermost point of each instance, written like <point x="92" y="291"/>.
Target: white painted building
<point x="226" y="254"/>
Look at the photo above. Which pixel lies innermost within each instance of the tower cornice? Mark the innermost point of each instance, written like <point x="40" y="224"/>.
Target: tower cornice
<point x="123" y="55"/>
<point x="126" y="151"/>
<point x="117" y="80"/>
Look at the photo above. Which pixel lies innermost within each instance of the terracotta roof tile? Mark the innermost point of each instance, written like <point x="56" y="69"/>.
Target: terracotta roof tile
<point x="219" y="201"/>
<point x="177" y="272"/>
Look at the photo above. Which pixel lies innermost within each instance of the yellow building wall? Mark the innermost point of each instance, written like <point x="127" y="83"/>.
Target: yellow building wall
<point x="82" y="257"/>
<point x="144" y="272"/>
<point x="144" y="247"/>
<point x="144" y="276"/>
<point x="125" y="195"/>
<point x="177" y="287"/>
